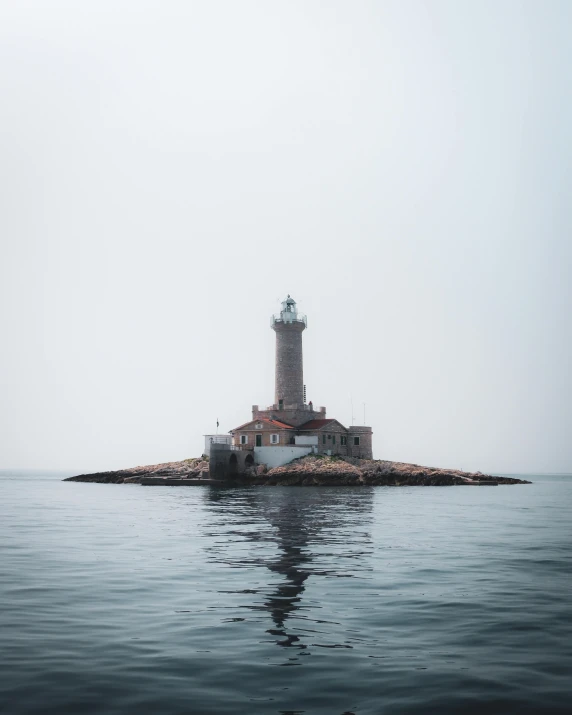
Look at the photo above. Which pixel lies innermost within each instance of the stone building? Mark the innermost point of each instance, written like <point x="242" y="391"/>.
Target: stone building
<point x="292" y="427"/>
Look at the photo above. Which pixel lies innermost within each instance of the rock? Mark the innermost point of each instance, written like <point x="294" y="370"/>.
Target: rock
<point x="309" y="471"/>
<point x="186" y="469"/>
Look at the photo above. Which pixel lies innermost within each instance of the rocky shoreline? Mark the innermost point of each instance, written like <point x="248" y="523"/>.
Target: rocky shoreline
<point x="313" y="470"/>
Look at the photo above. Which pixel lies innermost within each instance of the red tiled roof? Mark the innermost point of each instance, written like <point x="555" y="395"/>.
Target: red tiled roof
<point x="272" y="423"/>
<point x="278" y="424"/>
<point x="315" y="424"/>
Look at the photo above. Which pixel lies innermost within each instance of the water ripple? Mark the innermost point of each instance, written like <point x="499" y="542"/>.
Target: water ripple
<point x="121" y="599"/>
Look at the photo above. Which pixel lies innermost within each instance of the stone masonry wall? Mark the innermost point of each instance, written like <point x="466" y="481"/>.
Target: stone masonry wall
<point x="365" y="449"/>
<point x="265" y="436"/>
<point x="330" y="439"/>
<point x="289" y="385"/>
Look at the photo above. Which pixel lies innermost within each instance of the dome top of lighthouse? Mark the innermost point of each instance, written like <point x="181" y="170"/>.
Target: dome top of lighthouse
<point x="289" y="313"/>
<point x="289" y="304"/>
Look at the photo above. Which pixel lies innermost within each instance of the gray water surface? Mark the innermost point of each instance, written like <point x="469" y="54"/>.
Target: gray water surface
<point x="121" y="598"/>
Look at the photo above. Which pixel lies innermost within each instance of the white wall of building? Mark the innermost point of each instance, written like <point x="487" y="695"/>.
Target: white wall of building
<point x="277" y="456"/>
<point x="308" y="439"/>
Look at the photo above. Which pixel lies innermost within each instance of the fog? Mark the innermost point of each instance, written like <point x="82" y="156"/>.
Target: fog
<point x="169" y="171"/>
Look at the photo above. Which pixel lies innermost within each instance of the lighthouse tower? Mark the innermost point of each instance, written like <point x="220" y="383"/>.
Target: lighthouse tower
<point x="291" y="428"/>
<point x="289" y="326"/>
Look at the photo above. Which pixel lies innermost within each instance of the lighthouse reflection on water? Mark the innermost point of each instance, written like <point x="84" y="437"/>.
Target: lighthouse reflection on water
<point x="300" y="523"/>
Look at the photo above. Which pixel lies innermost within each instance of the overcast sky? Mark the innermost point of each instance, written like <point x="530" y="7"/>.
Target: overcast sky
<point x="169" y="171"/>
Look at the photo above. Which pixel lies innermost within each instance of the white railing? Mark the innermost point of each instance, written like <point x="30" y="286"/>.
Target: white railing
<point x="233" y="447"/>
<point x="218" y="438"/>
<point x="289" y="318"/>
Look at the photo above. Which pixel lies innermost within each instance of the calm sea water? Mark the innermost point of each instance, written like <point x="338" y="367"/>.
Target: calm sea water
<point x="126" y="599"/>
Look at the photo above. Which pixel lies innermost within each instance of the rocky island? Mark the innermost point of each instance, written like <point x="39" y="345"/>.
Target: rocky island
<point x="309" y="471"/>
<point x="291" y="443"/>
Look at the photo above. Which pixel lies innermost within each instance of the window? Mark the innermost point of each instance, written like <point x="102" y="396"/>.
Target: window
<point x="323" y="439"/>
<point x="274" y="438"/>
<point x="258" y="425"/>
<point x="259" y="440"/>
<point x="243" y="439"/>
<point x="333" y="439"/>
<point x="343" y="441"/>
<point x="356" y="441"/>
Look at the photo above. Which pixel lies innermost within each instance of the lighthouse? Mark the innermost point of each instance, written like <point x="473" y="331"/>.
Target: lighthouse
<point x="290" y="428"/>
<point x="289" y="377"/>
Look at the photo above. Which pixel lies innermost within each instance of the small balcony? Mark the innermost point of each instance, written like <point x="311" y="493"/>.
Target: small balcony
<point x="224" y="446"/>
<point x="286" y="317"/>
